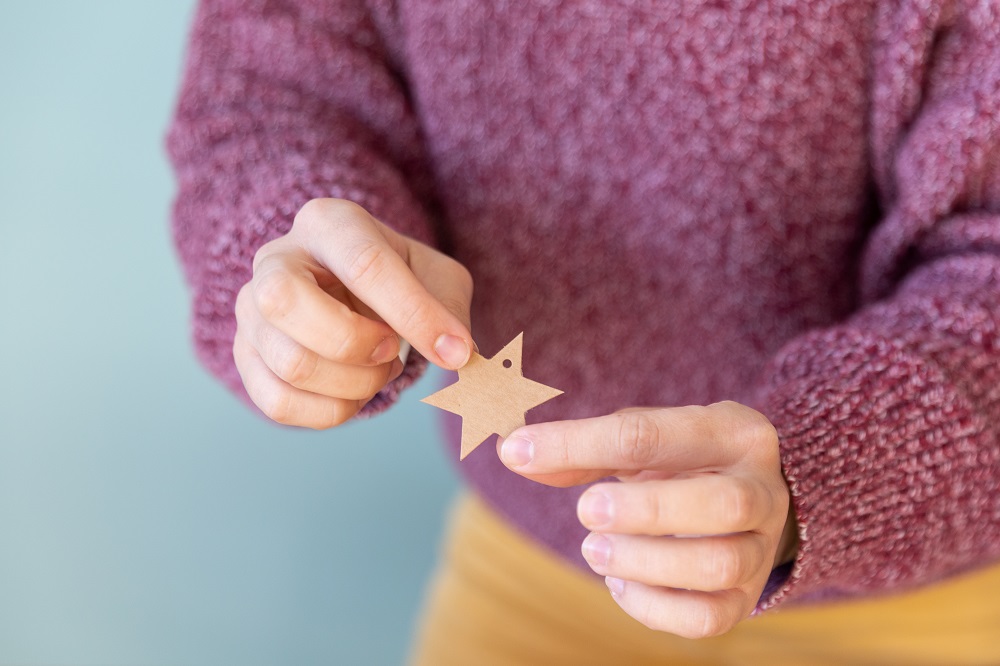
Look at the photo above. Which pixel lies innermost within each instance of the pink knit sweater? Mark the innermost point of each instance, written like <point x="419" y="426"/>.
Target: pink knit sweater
<point x="791" y="204"/>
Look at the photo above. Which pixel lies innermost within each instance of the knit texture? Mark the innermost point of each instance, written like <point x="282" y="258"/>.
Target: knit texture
<point x="795" y="205"/>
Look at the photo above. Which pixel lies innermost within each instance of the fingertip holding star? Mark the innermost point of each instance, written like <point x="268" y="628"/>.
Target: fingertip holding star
<point x="491" y="395"/>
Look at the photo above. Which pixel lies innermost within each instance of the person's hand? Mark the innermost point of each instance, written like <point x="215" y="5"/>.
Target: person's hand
<point x="689" y="539"/>
<point x="319" y="325"/>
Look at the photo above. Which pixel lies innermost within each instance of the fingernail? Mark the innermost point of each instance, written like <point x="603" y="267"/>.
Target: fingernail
<point x="516" y="451"/>
<point x="596" y="510"/>
<point x="386" y="351"/>
<point x="616" y="585"/>
<point x="597" y="549"/>
<point x="454" y="351"/>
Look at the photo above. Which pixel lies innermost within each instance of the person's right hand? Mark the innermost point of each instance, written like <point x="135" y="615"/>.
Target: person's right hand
<point x="319" y="324"/>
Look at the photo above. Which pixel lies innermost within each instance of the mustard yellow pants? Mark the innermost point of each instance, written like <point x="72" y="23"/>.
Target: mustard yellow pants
<point x="499" y="599"/>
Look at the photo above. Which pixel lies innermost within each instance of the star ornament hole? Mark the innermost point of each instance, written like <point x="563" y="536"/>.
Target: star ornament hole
<point x="491" y="395"/>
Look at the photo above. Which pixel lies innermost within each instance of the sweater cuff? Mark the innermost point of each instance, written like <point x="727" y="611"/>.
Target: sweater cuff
<point x="880" y="453"/>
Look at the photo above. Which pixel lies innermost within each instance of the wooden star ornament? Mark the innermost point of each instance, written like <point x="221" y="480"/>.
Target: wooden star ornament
<point x="491" y="396"/>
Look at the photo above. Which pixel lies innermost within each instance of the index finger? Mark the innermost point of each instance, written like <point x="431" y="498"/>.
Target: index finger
<point x="289" y="298"/>
<point x="355" y="247"/>
<point x="675" y="439"/>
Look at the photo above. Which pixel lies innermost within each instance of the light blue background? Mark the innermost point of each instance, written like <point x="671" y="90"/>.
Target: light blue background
<point x="146" y="517"/>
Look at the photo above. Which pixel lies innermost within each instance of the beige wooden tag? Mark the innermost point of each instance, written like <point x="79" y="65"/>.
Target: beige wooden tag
<point x="491" y="396"/>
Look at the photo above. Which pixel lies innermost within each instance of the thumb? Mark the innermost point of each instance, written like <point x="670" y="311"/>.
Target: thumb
<point x="448" y="281"/>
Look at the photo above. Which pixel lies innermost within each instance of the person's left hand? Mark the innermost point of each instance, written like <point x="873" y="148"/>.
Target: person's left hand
<point x="688" y="541"/>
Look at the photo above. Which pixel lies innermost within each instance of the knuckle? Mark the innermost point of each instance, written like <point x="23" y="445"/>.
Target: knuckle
<point x="274" y="293"/>
<point x="238" y="350"/>
<point x="457" y="306"/>
<point x="706" y="620"/>
<point x="279" y="407"/>
<point x="265" y="252"/>
<point x="315" y="210"/>
<point x="760" y="431"/>
<point x="364" y="263"/>
<point x="417" y="317"/>
<point x="702" y="422"/>
<point x="748" y="427"/>
<point x="344" y="209"/>
<point x="340" y="413"/>
<point x="736" y="500"/>
<point x="348" y="346"/>
<point x="711" y="621"/>
<point x="638" y="439"/>
<point x="727" y="568"/>
<point x="326" y="211"/>
<point x="309" y="211"/>
<point x="297" y="365"/>
<point x="651" y="614"/>
<point x="326" y="422"/>
<point x="366" y="386"/>
<point x="655" y="511"/>
<point x="242" y="297"/>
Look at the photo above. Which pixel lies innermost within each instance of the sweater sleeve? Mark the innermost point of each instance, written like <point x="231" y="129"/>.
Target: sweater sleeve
<point x="284" y="101"/>
<point x="890" y="421"/>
